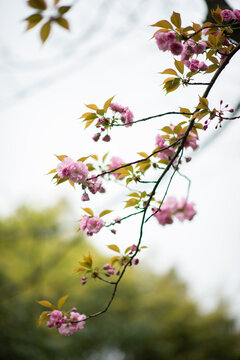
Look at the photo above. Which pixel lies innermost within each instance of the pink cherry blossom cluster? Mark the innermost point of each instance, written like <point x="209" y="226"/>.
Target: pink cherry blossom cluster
<point x="77" y="171"/>
<point x="66" y="324"/>
<point x="109" y="270"/>
<point x="115" y="163"/>
<point x="102" y="123"/>
<point x="229" y="15"/>
<point x="126" y="115"/>
<point x="220" y="114"/>
<point x="169" y="153"/>
<point x="167" y="41"/>
<point x="182" y="210"/>
<point x="92" y="224"/>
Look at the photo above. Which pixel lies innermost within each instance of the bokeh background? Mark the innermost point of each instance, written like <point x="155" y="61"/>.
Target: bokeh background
<point x="183" y="300"/>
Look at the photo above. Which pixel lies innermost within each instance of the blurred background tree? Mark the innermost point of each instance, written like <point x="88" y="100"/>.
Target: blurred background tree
<point x="153" y="317"/>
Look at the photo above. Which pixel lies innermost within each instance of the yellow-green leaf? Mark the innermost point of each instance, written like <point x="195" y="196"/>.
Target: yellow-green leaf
<point x="92" y="106"/>
<point x="104" y="157"/>
<point x="63" y="9"/>
<point x="105" y="212"/>
<point x="131" y="202"/>
<point x="80" y="269"/>
<point x="61" y="157"/>
<point x="88" y="211"/>
<point x="43" y="318"/>
<point x="45" y="31"/>
<point x="107" y="104"/>
<point x="71" y="183"/>
<point x="134" y="194"/>
<point x="63" y="23"/>
<point x="169" y="71"/>
<point x="143" y="154"/>
<point x="164" y="24"/>
<point x="176" y="19"/>
<point x="95" y="157"/>
<point x="52" y="171"/>
<point x="100" y="112"/>
<point x="37" y="4"/>
<point x="114" y="248"/>
<point x="88" y="123"/>
<point x="46" y="303"/>
<point x="167" y="130"/>
<point x="62" y="300"/>
<point x="185" y="110"/>
<point x="179" y="66"/>
<point x="82" y="159"/>
<point x="171" y="85"/>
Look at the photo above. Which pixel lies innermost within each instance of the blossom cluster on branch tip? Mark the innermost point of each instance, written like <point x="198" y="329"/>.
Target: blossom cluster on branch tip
<point x="171" y="208"/>
<point x="67" y="324"/>
<point x="115" y="163"/>
<point x="229" y="15"/>
<point x="76" y="171"/>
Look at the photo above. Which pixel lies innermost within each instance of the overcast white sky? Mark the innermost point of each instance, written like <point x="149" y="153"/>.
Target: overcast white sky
<point x="109" y="52"/>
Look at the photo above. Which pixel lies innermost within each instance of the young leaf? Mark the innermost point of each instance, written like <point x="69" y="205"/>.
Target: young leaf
<point x="104" y="157"/>
<point x="114" y="248"/>
<point x="88" y="211"/>
<point x="185" y="110"/>
<point x="169" y="72"/>
<point x="71" y="183"/>
<point x="179" y="66"/>
<point x="95" y="157"/>
<point x="61" y="157"/>
<point x="52" y="171"/>
<point x="46" y="304"/>
<point x="164" y="24"/>
<point x="45" y="31"/>
<point x="63" y="9"/>
<point x="143" y="154"/>
<point x="63" y="23"/>
<point x="88" y="123"/>
<point x="105" y="212"/>
<point x="33" y="20"/>
<point x="82" y="159"/>
<point x="37" y="4"/>
<point x="62" y="300"/>
<point x="43" y="318"/>
<point x="134" y="194"/>
<point x="176" y="19"/>
<point x="107" y="104"/>
<point x="167" y="130"/>
<point x="92" y="107"/>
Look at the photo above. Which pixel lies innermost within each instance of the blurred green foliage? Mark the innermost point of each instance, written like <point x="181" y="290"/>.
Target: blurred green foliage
<point x="151" y="318"/>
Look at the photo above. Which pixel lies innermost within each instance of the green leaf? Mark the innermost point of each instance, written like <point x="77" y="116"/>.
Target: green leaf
<point x="88" y="211"/>
<point x="45" y="31"/>
<point x="164" y="24"/>
<point x="176" y="19"/>
<point x="63" y="23"/>
<point x="107" y="104"/>
<point x="131" y="202"/>
<point x="63" y="9"/>
<point x="37" y="4"/>
<point x="169" y="71"/>
<point x="171" y="84"/>
<point x="114" y="247"/>
<point x="105" y="212"/>
<point x="46" y="304"/>
<point x="134" y="194"/>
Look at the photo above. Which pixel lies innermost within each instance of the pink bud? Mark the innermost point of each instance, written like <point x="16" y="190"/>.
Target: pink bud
<point x="118" y="220"/>
<point x="135" y="261"/>
<point x="74" y="309"/>
<point x="113" y="231"/>
<point x="188" y="159"/>
<point x="106" y="266"/>
<point x="96" y="137"/>
<point x="106" y="138"/>
<point x="85" y="197"/>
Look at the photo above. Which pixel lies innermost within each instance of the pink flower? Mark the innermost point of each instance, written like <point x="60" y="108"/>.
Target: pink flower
<point x="188" y="50"/>
<point x="115" y="163"/>
<point x="170" y="204"/>
<point x="63" y="169"/>
<point x="176" y="48"/>
<point x="117" y="108"/>
<point x="94" y="185"/>
<point x="202" y="66"/>
<point x="160" y="141"/>
<point x="191" y="140"/>
<point x="227" y="15"/>
<point x="94" y="225"/>
<point x="84" y="222"/>
<point x="185" y="211"/>
<point x="163" y="216"/>
<point x="78" y="172"/>
<point x="200" y="47"/>
<point x="162" y="41"/>
<point x="236" y="13"/>
<point x="117" y="219"/>
<point x="127" y="118"/>
<point x="194" y="63"/>
<point x="55" y="315"/>
<point x="167" y="153"/>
